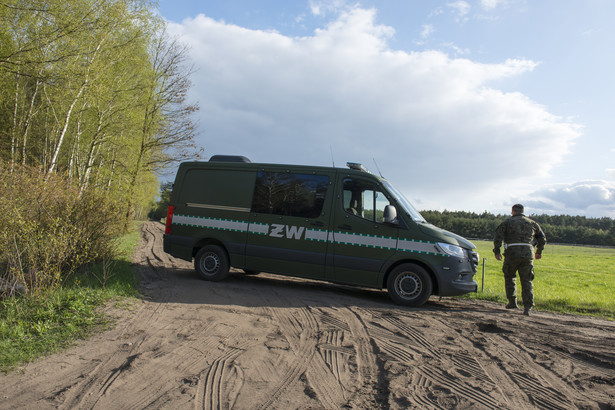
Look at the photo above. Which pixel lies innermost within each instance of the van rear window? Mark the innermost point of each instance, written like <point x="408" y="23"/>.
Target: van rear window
<point x="289" y="194"/>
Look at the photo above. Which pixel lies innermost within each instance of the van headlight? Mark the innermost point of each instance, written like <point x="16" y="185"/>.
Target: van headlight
<point x="452" y="250"/>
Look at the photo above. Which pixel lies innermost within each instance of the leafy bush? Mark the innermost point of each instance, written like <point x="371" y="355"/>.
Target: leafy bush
<point x="34" y="325"/>
<point x="48" y="229"/>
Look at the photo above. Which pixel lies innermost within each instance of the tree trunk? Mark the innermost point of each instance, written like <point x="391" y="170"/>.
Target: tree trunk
<point x="28" y="122"/>
<point x="54" y="158"/>
<point x="14" y="130"/>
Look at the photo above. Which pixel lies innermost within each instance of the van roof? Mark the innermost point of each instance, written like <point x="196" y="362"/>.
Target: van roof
<point x="229" y="158"/>
<point x="239" y="161"/>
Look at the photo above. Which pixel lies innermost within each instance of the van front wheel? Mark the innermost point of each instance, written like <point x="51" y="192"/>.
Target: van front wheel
<point x="409" y="285"/>
<point x="211" y="263"/>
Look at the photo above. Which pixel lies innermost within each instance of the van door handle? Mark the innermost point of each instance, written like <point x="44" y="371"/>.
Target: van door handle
<point x="345" y="227"/>
<point x="317" y="223"/>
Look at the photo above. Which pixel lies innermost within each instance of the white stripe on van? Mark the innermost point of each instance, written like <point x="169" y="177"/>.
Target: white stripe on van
<point x="259" y="228"/>
<point x="410" y="245"/>
<point x="370" y="241"/>
<point x="319" y="235"/>
<point x="213" y="223"/>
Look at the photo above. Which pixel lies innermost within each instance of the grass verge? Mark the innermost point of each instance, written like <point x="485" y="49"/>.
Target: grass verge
<point x="568" y="279"/>
<point x="33" y="326"/>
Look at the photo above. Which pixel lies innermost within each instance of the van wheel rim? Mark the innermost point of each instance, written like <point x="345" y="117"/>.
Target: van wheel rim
<point x="210" y="263"/>
<point x="408" y="285"/>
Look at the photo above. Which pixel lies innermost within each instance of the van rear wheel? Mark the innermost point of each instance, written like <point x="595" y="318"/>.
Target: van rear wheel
<point x="211" y="263"/>
<point x="409" y="285"/>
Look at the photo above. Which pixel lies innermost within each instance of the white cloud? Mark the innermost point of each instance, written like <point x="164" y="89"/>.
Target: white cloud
<point x="591" y="198"/>
<point x="458" y="51"/>
<point x="433" y="123"/>
<point x="324" y="7"/>
<point x="491" y="4"/>
<point x="436" y="12"/>
<point x="460" y="8"/>
<point x="427" y="31"/>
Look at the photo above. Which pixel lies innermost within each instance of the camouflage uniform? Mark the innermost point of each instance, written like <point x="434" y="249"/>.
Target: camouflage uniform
<point x="519" y="233"/>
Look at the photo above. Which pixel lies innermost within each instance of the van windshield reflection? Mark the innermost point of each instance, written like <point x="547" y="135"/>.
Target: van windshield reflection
<point x="403" y="202"/>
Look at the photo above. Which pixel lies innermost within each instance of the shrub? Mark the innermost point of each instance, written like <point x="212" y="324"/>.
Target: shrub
<point x="48" y="230"/>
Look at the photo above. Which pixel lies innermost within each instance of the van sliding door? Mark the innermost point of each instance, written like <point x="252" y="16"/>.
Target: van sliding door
<point x="287" y="231"/>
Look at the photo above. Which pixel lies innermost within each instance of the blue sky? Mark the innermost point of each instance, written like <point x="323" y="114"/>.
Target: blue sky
<point x="464" y="105"/>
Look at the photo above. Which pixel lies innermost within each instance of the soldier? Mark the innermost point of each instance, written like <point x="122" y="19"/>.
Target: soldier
<point x="519" y="234"/>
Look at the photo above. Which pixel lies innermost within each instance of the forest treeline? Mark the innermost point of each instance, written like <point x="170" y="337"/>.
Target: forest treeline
<point x="558" y="228"/>
<point x="93" y="90"/>
<point x="92" y="107"/>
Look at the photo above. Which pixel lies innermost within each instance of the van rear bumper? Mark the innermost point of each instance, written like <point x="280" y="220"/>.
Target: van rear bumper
<point x="179" y="246"/>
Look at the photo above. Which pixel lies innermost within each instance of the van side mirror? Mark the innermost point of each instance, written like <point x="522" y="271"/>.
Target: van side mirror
<point x="390" y="215"/>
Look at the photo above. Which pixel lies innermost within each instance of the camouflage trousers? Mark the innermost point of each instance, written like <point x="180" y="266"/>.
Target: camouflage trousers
<point x="525" y="267"/>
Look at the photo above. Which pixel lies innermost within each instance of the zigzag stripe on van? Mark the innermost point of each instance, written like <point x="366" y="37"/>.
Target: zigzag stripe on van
<point x="321" y="235"/>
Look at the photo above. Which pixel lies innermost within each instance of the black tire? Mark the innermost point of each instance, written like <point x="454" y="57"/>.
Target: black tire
<point x="211" y="263"/>
<point x="250" y="272"/>
<point x="409" y="285"/>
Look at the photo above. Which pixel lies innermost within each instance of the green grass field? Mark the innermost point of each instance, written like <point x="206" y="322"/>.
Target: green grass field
<point x="570" y="279"/>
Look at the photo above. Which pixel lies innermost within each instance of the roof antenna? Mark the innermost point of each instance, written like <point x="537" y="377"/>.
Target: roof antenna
<point x="377" y="167"/>
<point x="332" y="160"/>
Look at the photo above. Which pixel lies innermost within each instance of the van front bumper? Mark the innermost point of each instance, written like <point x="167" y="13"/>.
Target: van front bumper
<point x="465" y="286"/>
<point x="456" y="277"/>
<point x="457" y="287"/>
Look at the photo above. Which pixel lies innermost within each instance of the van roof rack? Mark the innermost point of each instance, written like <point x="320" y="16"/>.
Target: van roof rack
<point x="229" y="158"/>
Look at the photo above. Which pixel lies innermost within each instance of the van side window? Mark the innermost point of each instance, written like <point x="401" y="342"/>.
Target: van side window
<point x="364" y="199"/>
<point x="278" y="193"/>
<point x="210" y="187"/>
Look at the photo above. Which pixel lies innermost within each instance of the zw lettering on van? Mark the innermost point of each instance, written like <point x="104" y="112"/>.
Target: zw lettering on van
<point x="300" y="232"/>
<point x="290" y="232"/>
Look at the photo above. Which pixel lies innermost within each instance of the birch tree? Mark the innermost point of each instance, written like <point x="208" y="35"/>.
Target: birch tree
<point x="94" y="90"/>
<point x="167" y="131"/>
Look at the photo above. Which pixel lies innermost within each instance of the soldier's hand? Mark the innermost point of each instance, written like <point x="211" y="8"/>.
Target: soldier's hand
<point x="538" y="256"/>
<point x="498" y="257"/>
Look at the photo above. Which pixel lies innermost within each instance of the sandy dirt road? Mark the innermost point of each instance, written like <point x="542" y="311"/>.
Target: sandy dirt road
<point x="261" y="342"/>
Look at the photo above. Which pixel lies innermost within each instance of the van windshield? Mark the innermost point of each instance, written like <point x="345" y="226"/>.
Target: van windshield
<point x="403" y="202"/>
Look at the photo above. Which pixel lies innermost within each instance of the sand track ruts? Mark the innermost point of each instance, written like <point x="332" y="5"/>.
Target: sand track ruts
<point x="266" y="341"/>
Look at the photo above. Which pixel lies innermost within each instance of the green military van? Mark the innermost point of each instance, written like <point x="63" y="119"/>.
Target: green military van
<point x="333" y="224"/>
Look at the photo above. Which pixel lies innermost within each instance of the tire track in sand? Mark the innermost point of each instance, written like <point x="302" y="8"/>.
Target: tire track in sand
<point x="336" y="356"/>
<point x="89" y="390"/>
<point x="300" y="329"/>
<point x="408" y="345"/>
<point x="219" y="385"/>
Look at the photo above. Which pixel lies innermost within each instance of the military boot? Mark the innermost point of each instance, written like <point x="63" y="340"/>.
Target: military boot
<point x="527" y="311"/>
<point x="512" y="303"/>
